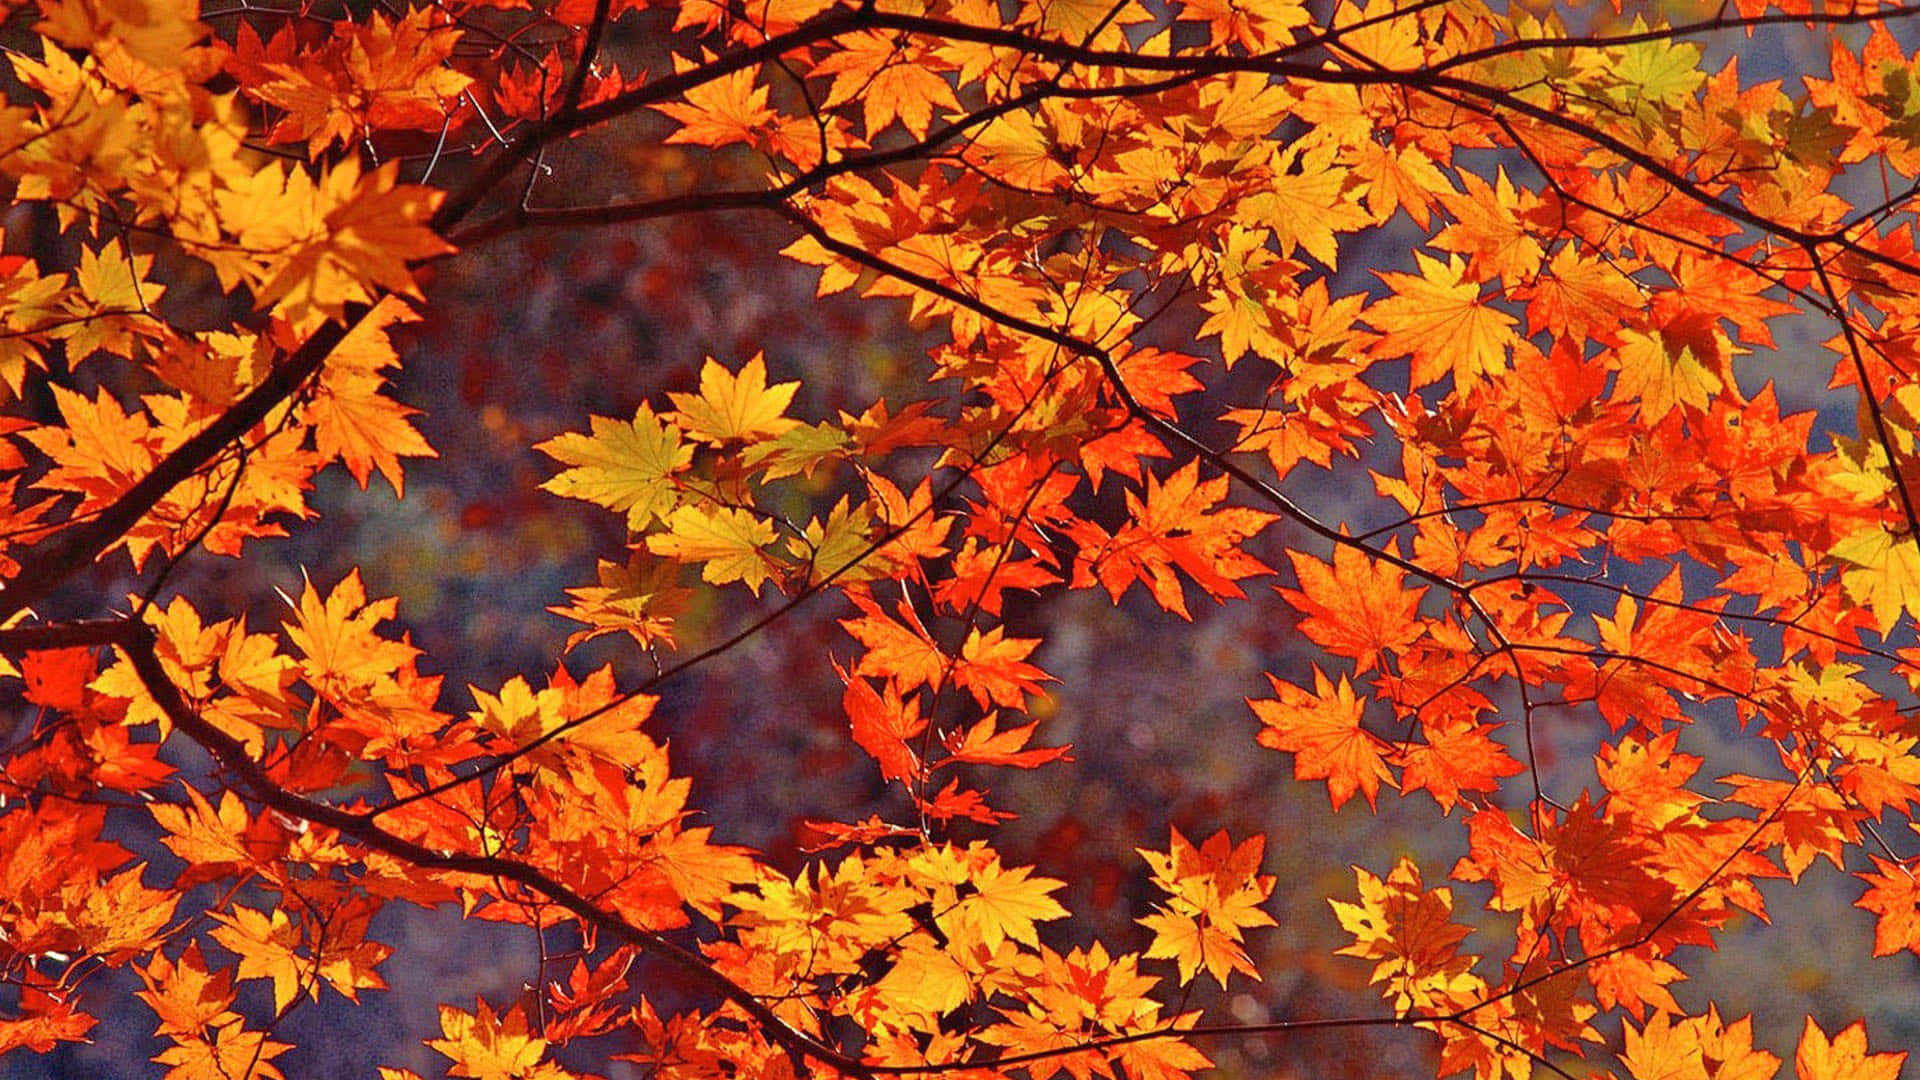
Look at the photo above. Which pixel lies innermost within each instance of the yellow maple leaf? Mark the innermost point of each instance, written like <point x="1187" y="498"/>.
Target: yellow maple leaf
<point x="625" y="466"/>
<point x="1882" y="573"/>
<point x="114" y="304"/>
<point x="1409" y="933"/>
<point x="1310" y="200"/>
<point x="268" y="944"/>
<point x="731" y="406"/>
<point x="1014" y="148"/>
<point x="118" y="917"/>
<point x="233" y="1050"/>
<point x="1682" y="1048"/>
<point x="154" y="32"/>
<point x="344" y="654"/>
<point x="522" y="716"/>
<point x="1439" y="319"/>
<point x="485" y="1046"/>
<point x="319" y="247"/>
<point x="924" y="980"/>
<point x="1005" y="902"/>
<point x="352" y="419"/>
<point x="202" y="836"/>
<point x="890" y="82"/>
<point x="183" y="993"/>
<point x="730" y="542"/>
<point x="1662" y="374"/>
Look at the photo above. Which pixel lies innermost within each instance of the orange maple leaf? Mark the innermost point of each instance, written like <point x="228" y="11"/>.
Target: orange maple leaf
<point x="1321" y="728"/>
<point x="1356" y="606"/>
<point x="1843" y="1057"/>
<point x="1214" y="896"/>
<point x="1894" y="896"/>
<point x="717" y="112"/>
<point x="993" y="668"/>
<point x="882" y="723"/>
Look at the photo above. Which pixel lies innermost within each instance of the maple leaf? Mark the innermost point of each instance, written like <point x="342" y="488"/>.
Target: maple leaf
<point x="1309" y="201"/>
<point x="1439" y="318"/>
<point x="1696" y="1046"/>
<point x="954" y="802"/>
<point x="1843" y="1057"/>
<point x="1894" y="896"/>
<point x="1017" y="149"/>
<point x="1408" y="931"/>
<point x="206" y="838"/>
<point x="486" y="1046"/>
<point x="589" y="716"/>
<point x="233" y="1050"/>
<point x="343" y="651"/>
<point x="1489" y="230"/>
<point x="1664" y="374"/>
<point x="642" y="599"/>
<point x="155" y="32"/>
<point x="1214" y="892"/>
<point x="57" y="678"/>
<point x="1660" y="71"/>
<point x="1455" y="757"/>
<point x="269" y="947"/>
<point x="731" y="544"/>
<point x="882" y="723"/>
<point x="381" y="74"/>
<point x="985" y="744"/>
<point x="323" y="246"/>
<point x="900" y="649"/>
<point x="114" y="304"/>
<point x="1882" y="573"/>
<point x="1003" y="903"/>
<point x="352" y="419"/>
<point x="1580" y="298"/>
<point x="1356" y="606"/>
<point x="185" y="994"/>
<point x="99" y="450"/>
<point x="119" y="917"/>
<point x="731" y="406"/>
<point x="625" y="466"/>
<point x="890" y="85"/>
<point x="993" y="668"/>
<point x="840" y="547"/>
<point x="1321" y="728"/>
<point x="44" y="1023"/>
<point x="1177" y="526"/>
<point x="729" y="109"/>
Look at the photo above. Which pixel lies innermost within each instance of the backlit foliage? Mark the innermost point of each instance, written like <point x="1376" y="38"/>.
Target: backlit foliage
<point x="1480" y="307"/>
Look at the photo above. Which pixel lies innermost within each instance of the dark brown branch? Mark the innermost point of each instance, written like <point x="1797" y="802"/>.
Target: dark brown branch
<point x="63" y="635"/>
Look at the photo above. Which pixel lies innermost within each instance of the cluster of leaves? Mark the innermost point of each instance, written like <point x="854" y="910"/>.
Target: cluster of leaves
<point x="1585" y="511"/>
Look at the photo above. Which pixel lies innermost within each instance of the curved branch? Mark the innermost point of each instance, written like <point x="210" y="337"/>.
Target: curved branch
<point x="138" y="640"/>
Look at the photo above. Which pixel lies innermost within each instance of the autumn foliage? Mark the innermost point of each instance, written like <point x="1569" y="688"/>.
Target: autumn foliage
<point x="1537" y="367"/>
